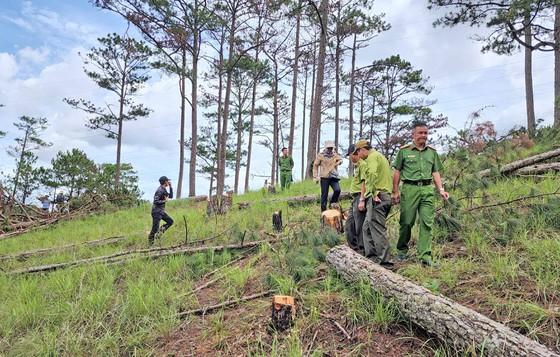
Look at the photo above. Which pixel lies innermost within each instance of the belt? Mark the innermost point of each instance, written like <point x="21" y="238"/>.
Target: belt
<point x="355" y="194"/>
<point x="418" y="183"/>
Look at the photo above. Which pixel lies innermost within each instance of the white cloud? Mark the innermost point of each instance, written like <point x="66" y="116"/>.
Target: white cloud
<point x="34" y="55"/>
<point x="8" y="66"/>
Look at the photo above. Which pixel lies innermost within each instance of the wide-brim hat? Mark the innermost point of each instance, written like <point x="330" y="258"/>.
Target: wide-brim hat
<point x="329" y="144"/>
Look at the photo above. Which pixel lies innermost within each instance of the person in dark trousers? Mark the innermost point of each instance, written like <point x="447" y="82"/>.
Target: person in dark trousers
<point x="158" y="209"/>
<point x="325" y="171"/>
<point x="356" y="218"/>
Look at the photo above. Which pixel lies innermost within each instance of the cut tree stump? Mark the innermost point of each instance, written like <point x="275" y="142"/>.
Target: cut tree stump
<point x="277" y="221"/>
<point x="306" y="199"/>
<point x="451" y="322"/>
<point x="516" y="165"/>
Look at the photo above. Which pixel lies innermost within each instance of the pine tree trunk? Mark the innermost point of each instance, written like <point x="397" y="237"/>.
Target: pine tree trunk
<point x="182" y="88"/>
<point x="220" y="106"/>
<point x="238" y="146"/>
<point x="119" y="132"/>
<point x="362" y="99"/>
<point x="223" y="137"/>
<point x="351" y="103"/>
<point x="194" y="113"/>
<point x="557" y="67"/>
<point x="337" y="69"/>
<point x="275" y="127"/>
<point x="18" y="170"/>
<point x="531" y="123"/>
<point x="294" y="82"/>
<point x="453" y="323"/>
<point x="303" y="127"/>
<point x="311" y="144"/>
<point x="253" y="104"/>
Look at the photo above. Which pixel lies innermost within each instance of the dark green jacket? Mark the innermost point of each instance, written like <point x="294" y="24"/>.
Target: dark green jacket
<point x="286" y="164"/>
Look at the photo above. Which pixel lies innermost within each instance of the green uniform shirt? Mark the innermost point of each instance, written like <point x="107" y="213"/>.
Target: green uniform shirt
<point x="356" y="183"/>
<point x="415" y="164"/>
<point x="377" y="173"/>
<point x="286" y="163"/>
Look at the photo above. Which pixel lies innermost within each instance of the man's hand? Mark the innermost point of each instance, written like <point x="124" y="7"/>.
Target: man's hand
<point x="444" y="194"/>
<point x="396" y="197"/>
<point x="316" y="179"/>
<point x="362" y="205"/>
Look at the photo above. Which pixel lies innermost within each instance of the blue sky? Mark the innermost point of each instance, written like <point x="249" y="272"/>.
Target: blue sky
<point x="40" y="65"/>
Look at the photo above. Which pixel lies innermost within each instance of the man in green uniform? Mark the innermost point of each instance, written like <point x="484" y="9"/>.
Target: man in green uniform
<point x="417" y="164"/>
<point x="355" y="220"/>
<point x="286" y="164"/>
<point x="376" y="200"/>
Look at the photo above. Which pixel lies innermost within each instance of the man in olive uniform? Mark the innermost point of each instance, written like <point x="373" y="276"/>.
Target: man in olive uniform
<point x="376" y="200"/>
<point x="355" y="220"/>
<point x="416" y="165"/>
<point x="286" y="164"/>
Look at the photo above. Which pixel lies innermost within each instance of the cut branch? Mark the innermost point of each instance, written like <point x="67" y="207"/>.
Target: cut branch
<point x="207" y="309"/>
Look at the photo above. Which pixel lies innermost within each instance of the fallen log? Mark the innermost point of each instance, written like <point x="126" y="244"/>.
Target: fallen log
<point x="28" y="228"/>
<point x="91" y="243"/>
<point x="121" y="257"/>
<point x="539" y="169"/>
<point x="451" y="322"/>
<point x="295" y="200"/>
<point x="207" y="309"/>
<point x="516" y="165"/>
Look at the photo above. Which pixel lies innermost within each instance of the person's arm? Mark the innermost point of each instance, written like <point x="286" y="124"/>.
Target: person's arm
<point x="396" y="195"/>
<point x="316" y="164"/>
<point x="291" y="163"/>
<point x="362" y="204"/>
<point x="170" y="190"/>
<point x="439" y="185"/>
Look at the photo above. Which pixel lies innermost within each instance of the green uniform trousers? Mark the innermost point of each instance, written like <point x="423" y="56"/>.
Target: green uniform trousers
<point x="376" y="244"/>
<point x="417" y="199"/>
<point x="285" y="179"/>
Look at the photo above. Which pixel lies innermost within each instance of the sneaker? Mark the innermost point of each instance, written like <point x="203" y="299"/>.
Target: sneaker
<point x="429" y="263"/>
<point x="388" y="265"/>
<point x="402" y="256"/>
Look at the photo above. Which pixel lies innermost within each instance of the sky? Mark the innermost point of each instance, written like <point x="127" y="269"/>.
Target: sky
<point x="40" y="64"/>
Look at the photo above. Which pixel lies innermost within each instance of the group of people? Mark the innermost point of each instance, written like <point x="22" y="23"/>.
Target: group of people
<point x="375" y="188"/>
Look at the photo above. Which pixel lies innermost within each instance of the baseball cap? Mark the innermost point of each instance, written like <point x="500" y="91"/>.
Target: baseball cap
<point x="163" y="179"/>
<point x="362" y="144"/>
<point x="351" y="149"/>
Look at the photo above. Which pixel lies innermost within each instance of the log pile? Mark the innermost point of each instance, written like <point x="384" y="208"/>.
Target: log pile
<point x="458" y="325"/>
<point x="17" y="218"/>
<point x="531" y="165"/>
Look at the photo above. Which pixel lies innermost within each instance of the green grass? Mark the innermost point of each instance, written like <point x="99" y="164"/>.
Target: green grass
<point x="509" y="264"/>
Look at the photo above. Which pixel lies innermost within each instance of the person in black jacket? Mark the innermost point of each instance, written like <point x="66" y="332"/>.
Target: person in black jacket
<point x="158" y="209"/>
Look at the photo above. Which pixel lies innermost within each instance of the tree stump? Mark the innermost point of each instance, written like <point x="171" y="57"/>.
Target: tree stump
<point x="277" y="221"/>
<point x="218" y="205"/>
<point x="456" y="324"/>
<point x="333" y="218"/>
<point x="283" y="312"/>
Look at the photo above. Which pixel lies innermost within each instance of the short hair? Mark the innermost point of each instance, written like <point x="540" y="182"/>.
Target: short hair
<point x="284" y="148"/>
<point x="418" y="124"/>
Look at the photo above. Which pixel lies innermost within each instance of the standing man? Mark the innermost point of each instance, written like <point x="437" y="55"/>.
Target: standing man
<point x="355" y="220"/>
<point x="417" y="164"/>
<point x="325" y="170"/>
<point x="158" y="209"/>
<point x="286" y="164"/>
<point x="375" y="199"/>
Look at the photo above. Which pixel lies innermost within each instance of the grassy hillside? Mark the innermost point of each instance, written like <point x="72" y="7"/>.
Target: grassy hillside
<point x="503" y="261"/>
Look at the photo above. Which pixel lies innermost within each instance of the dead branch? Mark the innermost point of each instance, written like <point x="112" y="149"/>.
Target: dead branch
<point x="207" y="309"/>
<point x="93" y="243"/>
<point x="556" y="192"/>
<point x="539" y="169"/>
<point x="120" y="257"/>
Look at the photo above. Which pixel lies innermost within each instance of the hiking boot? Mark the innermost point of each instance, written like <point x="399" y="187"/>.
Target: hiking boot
<point x="388" y="265"/>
